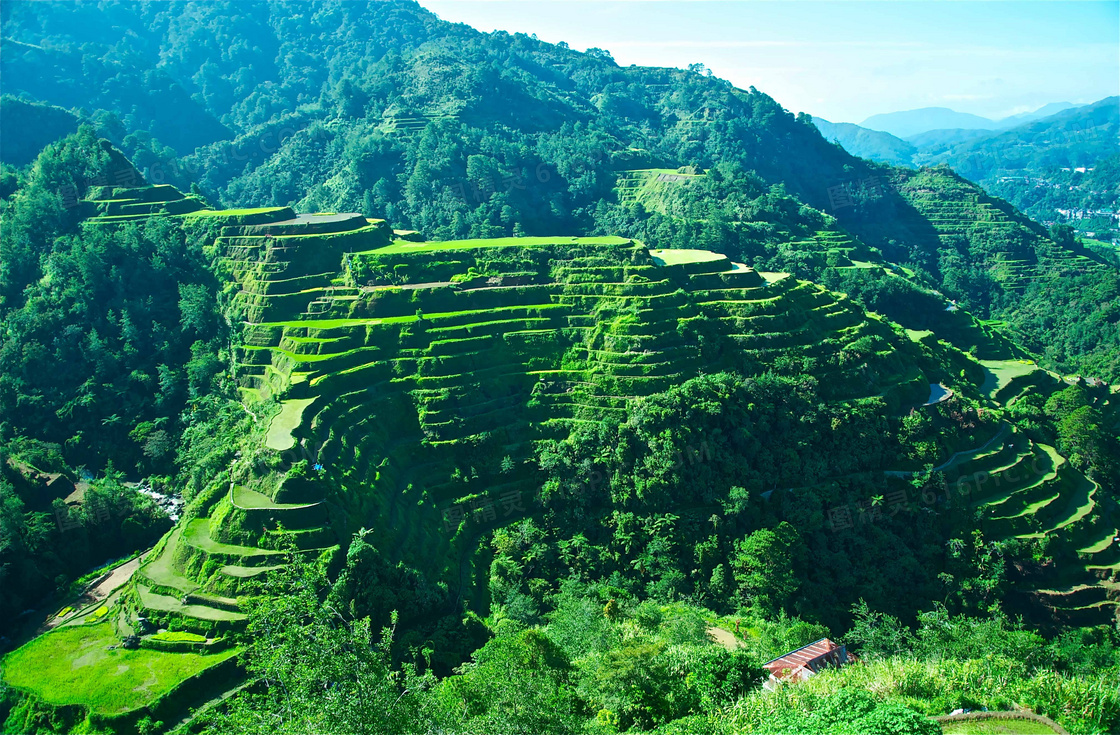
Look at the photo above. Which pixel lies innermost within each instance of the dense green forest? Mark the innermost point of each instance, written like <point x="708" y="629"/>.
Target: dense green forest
<point x="447" y="470"/>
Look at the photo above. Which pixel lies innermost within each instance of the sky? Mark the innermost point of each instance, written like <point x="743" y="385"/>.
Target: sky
<point x="845" y="60"/>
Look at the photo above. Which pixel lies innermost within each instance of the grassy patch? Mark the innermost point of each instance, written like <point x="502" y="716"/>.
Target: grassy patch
<point x="773" y="277"/>
<point x="74" y="665"/>
<point x="197" y="533"/>
<point x="161" y="570"/>
<point x="994" y="726"/>
<point x="998" y="373"/>
<point x="249" y="499"/>
<point x="231" y="212"/>
<point x="682" y="256"/>
<point x="241" y="572"/>
<point x="178" y="635"/>
<point x="166" y="603"/>
<point x="284" y="423"/>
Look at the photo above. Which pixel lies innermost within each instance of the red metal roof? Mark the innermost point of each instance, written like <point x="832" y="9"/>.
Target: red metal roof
<point x="807" y="660"/>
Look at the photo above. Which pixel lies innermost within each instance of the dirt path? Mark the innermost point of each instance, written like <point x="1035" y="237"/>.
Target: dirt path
<point x="725" y="638"/>
<point x="956" y="457"/>
<point x="96" y="594"/>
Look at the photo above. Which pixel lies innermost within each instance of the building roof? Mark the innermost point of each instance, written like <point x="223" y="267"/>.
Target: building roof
<point x="807" y="660"/>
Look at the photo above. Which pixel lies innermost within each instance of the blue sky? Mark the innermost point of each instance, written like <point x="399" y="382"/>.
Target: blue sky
<point x="847" y="59"/>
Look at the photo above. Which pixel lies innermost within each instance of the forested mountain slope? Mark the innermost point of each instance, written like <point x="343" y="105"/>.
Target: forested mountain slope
<point x="863" y="142"/>
<point x="477" y="421"/>
<point x="1075" y="138"/>
<point x="506" y="376"/>
<point x="456" y="133"/>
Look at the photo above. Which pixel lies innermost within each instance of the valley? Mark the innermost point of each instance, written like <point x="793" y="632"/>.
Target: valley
<point x="363" y="372"/>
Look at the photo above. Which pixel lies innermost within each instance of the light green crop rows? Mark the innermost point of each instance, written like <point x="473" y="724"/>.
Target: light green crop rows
<point x="85" y="665"/>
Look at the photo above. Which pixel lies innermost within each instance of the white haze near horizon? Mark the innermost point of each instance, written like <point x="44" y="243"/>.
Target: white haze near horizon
<point x="846" y="60"/>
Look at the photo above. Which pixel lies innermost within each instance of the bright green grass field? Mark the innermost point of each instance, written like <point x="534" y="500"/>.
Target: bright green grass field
<point x="280" y="430"/>
<point x="1001" y="372"/>
<point x="404" y="246"/>
<point x="995" y="727"/>
<point x="172" y="635"/>
<point x="230" y="212"/>
<point x="72" y="665"/>
<point x="681" y="256"/>
<point x="918" y="334"/>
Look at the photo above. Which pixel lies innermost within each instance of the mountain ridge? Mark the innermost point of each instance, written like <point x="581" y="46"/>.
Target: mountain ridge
<point x="908" y="124"/>
<point x="757" y="384"/>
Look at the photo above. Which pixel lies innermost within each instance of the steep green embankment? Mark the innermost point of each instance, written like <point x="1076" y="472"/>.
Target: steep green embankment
<point x="414" y="379"/>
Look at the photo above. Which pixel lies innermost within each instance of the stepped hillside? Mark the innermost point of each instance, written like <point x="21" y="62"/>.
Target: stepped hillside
<point x="638" y="337"/>
<point x="404" y="387"/>
<point x="987" y="234"/>
<point x="386" y="110"/>
<point x="467" y="352"/>
<point x="1022" y="488"/>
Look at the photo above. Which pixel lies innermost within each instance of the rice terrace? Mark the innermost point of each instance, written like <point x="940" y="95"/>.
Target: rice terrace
<point x="362" y="372"/>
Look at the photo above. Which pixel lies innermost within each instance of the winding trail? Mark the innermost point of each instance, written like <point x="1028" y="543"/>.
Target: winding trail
<point x="954" y="458"/>
<point x="724" y="638"/>
<point x="96" y="594"/>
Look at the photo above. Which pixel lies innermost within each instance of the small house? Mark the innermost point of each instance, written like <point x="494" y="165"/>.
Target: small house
<point x="806" y="661"/>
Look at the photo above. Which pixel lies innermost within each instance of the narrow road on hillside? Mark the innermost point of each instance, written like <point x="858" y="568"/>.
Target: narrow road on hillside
<point x="113" y="581"/>
<point x="725" y="638"/>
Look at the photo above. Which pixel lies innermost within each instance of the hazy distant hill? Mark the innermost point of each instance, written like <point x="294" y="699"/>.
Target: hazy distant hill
<point x="939" y="141"/>
<point x="908" y="124"/>
<point x="1045" y="111"/>
<point x="871" y="144"/>
<point x="905" y="123"/>
<point x="1072" y="138"/>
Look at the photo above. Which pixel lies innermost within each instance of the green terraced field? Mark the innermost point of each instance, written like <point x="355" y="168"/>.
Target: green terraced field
<point x="197" y="533"/>
<point x="559" y="332"/>
<point x="650" y="186"/>
<point x="280" y="429"/>
<point x="405" y="246"/>
<point x="393" y="365"/>
<point x="681" y="257"/>
<point x="1028" y="491"/>
<point x="243" y="497"/>
<point x="74" y="665"/>
<point x="999" y="373"/>
<point x="226" y="213"/>
<point x="155" y="601"/>
<point x="960" y="214"/>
